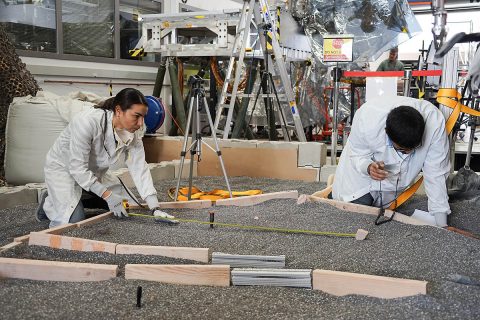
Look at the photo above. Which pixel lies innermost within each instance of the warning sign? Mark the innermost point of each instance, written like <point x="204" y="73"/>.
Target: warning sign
<point x="337" y="48"/>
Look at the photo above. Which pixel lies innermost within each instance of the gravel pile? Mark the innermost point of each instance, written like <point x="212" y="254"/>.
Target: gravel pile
<point x="448" y="261"/>
<point x="18" y="221"/>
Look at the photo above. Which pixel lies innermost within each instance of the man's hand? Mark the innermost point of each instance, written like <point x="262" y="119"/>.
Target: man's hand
<point x="376" y="170"/>
<point x="115" y="205"/>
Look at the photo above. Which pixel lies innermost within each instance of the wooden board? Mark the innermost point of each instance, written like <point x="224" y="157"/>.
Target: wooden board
<point x="55" y="270"/>
<point x="347" y="206"/>
<point x="257" y="162"/>
<point x="253" y="200"/>
<point x="60" y="229"/>
<point x="55" y="230"/>
<point x="196" y="254"/>
<point x="22" y="238"/>
<point x="251" y="162"/>
<point x="194" y="204"/>
<point x="95" y="219"/>
<point x="70" y="243"/>
<point x="206" y="275"/>
<point x="344" y="283"/>
<point x="9" y="246"/>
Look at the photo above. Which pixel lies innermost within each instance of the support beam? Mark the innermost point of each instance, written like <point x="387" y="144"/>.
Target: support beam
<point x="70" y="243"/>
<point x="218" y="275"/>
<point x="195" y="254"/>
<point x="55" y="270"/>
<point x="253" y="200"/>
<point x="344" y="283"/>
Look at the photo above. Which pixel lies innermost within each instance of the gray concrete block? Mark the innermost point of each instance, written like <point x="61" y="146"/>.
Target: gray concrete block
<point x="186" y="168"/>
<point x="309" y="154"/>
<point x="326" y="171"/>
<point x="162" y="171"/>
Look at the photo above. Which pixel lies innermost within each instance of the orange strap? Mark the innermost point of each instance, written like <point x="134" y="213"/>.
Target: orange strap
<point x="451" y="99"/>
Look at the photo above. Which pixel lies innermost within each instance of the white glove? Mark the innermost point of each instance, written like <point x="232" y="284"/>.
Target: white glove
<point x="115" y="205"/>
<point x="161" y="214"/>
<point x="439" y="220"/>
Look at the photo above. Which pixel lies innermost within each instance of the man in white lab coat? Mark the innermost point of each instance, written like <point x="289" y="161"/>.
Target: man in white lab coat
<point x="76" y="169"/>
<point x="391" y="141"/>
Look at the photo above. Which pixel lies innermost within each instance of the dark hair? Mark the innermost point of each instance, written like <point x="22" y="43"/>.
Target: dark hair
<point x="125" y="99"/>
<point x="405" y="126"/>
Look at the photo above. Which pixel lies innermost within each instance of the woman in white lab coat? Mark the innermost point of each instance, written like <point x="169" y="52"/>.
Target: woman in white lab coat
<point x="76" y="169"/>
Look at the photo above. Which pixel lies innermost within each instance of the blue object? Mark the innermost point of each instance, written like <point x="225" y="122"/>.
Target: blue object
<point x="155" y="115"/>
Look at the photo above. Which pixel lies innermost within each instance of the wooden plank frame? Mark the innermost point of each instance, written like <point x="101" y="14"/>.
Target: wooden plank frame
<point x="195" y="254"/>
<point x="359" y="208"/>
<point x="70" y="243"/>
<point x="253" y="200"/>
<point x="9" y="246"/>
<point x="55" y="270"/>
<point x="204" y="275"/>
<point x="344" y="283"/>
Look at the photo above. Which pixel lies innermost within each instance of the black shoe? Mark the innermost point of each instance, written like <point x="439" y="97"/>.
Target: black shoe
<point x="40" y="214"/>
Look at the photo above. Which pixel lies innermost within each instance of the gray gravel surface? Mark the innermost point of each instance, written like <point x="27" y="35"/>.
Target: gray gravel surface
<point x="18" y="221"/>
<point x="465" y="214"/>
<point x="393" y="249"/>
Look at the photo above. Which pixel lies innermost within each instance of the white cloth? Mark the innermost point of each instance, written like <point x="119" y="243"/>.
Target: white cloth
<point x="368" y="141"/>
<point x="80" y="159"/>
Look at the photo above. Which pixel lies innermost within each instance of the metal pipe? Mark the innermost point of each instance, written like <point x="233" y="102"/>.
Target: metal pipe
<point x="336" y="79"/>
<point x="177" y="96"/>
<point x="162" y="68"/>
<point x="407" y="76"/>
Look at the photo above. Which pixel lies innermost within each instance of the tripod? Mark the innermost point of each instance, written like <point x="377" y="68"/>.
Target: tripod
<point x="266" y="84"/>
<point x="197" y="102"/>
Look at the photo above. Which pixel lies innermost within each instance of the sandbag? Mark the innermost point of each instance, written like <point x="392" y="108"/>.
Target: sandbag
<point x="33" y="125"/>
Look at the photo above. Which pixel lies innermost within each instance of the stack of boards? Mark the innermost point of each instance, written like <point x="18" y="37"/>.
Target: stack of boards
<point x="300" y="278"/>
<point x="248" y="261"/>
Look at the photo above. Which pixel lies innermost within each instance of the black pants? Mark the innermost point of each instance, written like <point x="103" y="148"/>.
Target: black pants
<point x="89" y="200"/>
<point x="366" y="199"/>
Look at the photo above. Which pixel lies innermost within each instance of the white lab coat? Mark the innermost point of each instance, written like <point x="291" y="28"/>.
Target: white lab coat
<point x="79" y="160"/>
<point x="368" y="141"/>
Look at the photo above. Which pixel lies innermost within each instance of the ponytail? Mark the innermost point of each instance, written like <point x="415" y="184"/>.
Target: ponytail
<point x="106" y="104"/>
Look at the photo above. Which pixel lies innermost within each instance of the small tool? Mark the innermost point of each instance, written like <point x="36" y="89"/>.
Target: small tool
<point x="139" y="296"/>
<point x="212" y="219"/>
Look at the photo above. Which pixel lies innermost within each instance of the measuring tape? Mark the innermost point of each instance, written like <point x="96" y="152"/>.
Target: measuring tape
<point x="240" y="226"/>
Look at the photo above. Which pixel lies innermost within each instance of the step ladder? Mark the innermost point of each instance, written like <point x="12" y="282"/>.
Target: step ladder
<point x="257" y="11"/>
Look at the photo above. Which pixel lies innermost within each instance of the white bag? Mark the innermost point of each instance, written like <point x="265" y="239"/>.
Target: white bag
<point x="33" y="125"/>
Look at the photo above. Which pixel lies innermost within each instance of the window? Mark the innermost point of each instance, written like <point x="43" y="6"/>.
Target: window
<point x="88" y="27"/>
<point x="30" y="24"/>
<point x="130" y="28"/>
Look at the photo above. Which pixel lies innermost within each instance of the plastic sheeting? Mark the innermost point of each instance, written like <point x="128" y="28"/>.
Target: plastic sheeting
<point x="377" y="25"/>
